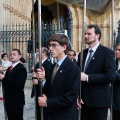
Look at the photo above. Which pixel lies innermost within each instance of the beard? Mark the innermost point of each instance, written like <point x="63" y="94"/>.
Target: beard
<point x="90" y="42"/>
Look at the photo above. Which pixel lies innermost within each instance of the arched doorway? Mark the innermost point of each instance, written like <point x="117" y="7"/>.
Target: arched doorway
<point x="50" y="21"/>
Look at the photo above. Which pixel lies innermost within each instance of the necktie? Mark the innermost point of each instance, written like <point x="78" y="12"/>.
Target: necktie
<point x="89" y="58"/>
<point x="10" y="68"/>
<point x="54" y="72"/>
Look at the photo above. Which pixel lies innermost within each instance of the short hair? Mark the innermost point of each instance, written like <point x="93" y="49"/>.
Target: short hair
<point x="74" y="53"/>
<point x="3" y="55"/>
<point x="15" y="49"/>
<point x="97" y="29"/>
<point x="117" y="44"/>
<point x="45" y="50"/>
<point x="61" y="39"/>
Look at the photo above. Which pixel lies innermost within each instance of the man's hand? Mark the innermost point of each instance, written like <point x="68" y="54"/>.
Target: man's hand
<point x="79" y="103"/>
<point x="1" y="69"/>
<point x="35" y="81"/>
<point x="42" y="101"/>
<point x="84" y="76"/>
<point x="40" y="74"/>
<point x="1" y="76"/>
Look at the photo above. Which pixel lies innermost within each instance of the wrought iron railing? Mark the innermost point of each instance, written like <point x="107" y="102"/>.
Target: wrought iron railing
<point x="20" y="37"/>
<point x="16" y="36"/>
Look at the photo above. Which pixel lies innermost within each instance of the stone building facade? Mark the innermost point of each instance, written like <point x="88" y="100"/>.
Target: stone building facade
<point x="19" y="12"/>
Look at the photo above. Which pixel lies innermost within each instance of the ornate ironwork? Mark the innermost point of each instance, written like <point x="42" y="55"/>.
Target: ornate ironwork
<point x="20" y="36"/>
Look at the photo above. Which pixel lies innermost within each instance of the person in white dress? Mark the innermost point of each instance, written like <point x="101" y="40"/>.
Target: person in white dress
<point x="5" y="64"/>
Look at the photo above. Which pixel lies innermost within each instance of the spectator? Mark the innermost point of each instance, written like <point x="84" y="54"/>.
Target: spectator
<point x="72" y="55"/>
<point x="116" y="87"/>
<point x="23" y="61"/>
<point x="5" y="62"/>
<point x="46" y="63"/>
<point x="35" y="67"/>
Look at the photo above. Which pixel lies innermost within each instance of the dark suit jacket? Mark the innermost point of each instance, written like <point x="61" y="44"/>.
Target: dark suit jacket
<point x="47" y="66"/>
<point x="116" y="89"/>
<point x="36" y="89"/>
<point x="101" y="72"/>
<point x="13" y="84"/>
<point x="62" y="94"/>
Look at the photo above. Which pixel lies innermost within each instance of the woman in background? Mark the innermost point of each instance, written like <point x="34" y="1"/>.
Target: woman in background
<point x="5" y="62"/>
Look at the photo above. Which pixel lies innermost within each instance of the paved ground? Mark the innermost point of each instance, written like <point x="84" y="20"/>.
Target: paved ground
<point x="29" y="107"/>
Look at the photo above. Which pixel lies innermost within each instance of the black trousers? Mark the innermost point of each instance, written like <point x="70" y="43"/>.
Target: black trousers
<point x="14" y="113"/>
<point x="116" y="114"/>
<point x="94" y="113"/>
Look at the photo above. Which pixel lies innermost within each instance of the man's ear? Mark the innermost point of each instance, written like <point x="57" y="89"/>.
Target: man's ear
<point x="98" y="36"/>
<point x="64" y="47"/>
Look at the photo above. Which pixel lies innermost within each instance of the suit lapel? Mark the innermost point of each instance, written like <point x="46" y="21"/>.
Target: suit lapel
<point x="8" y="73"/>
<point x="84" y="57"/>
<point x="59" y="72"/>
<point x="15" y="67"/>
<point x="44" y="62"/>
<point x="96" y="55"/>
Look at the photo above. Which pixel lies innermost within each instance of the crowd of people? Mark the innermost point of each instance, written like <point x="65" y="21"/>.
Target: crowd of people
<point x="69" y="84"/>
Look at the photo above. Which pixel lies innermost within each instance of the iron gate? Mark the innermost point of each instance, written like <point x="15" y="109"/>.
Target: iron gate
<point x="20" y="37"/>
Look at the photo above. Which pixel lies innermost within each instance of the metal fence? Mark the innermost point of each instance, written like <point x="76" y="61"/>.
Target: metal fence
<point x="16" y="36"/>
<point x="20" y="37"/>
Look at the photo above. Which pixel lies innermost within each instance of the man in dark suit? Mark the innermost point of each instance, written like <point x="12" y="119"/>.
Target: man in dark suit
<point x="61" y="89"/>
<point x="46" y="63"/>
<point x="116" y="87"/>
<point x="13" y="84"/>
<point x="96" y="76"/>
<point x="72" y="55"/>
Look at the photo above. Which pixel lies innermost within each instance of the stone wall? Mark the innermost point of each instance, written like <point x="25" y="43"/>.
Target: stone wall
<point x="19" y="12"/>
<point x="15" y="11"/>
<point x="105" y="25"/>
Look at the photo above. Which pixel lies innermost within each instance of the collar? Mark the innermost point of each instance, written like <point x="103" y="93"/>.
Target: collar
<point x="95" y="47"/>
<point x="15" y="64"/>
<point x="61" y="61"/>
<point x="44" y="60"/>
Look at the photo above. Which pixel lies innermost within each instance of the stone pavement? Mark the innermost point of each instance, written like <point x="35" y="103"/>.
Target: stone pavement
<point x="28" y="109"/>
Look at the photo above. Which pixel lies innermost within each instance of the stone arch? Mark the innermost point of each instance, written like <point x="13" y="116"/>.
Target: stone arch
<point x="76" y="26"/>
<point x="105" y="26"/>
